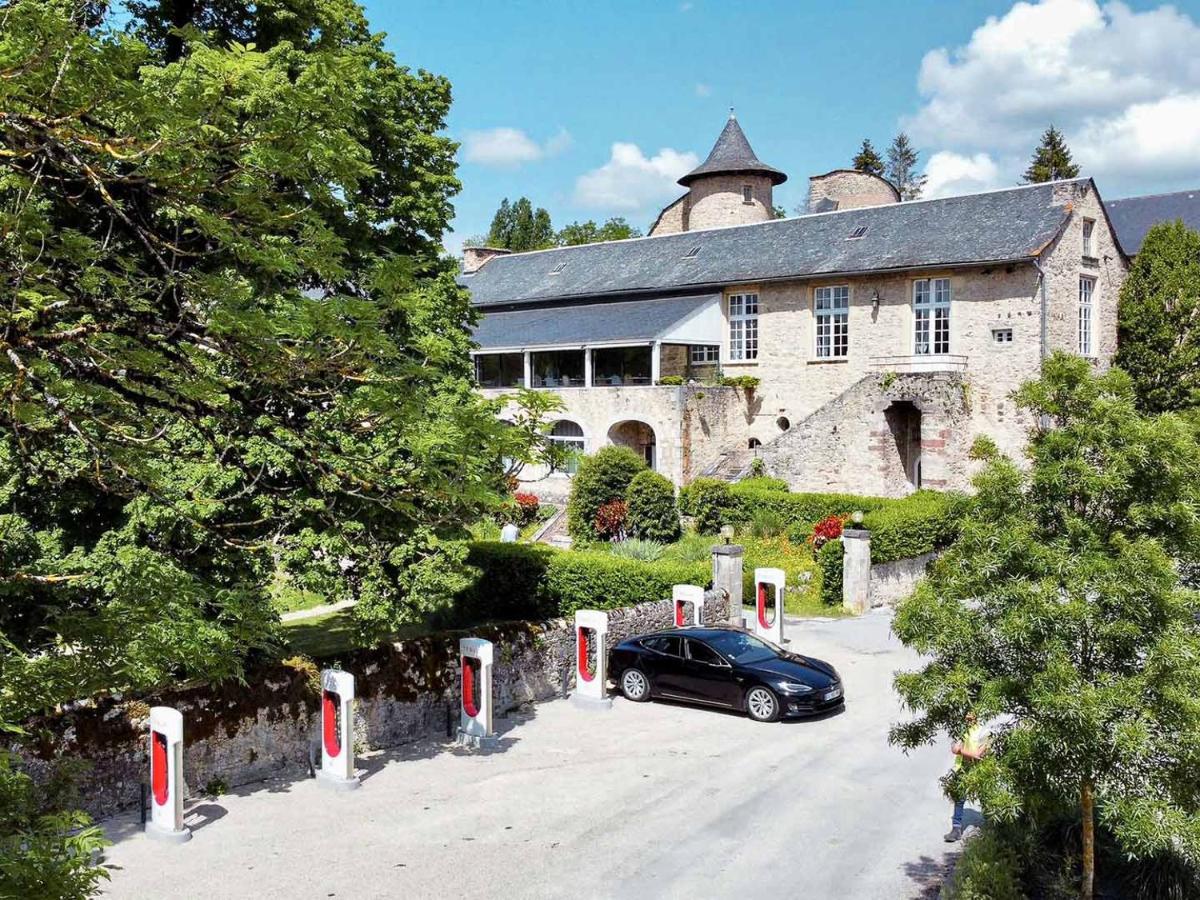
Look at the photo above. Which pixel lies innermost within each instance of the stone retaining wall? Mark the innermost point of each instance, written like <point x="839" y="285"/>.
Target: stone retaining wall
<point x="892" y="582"/>
<point x="407" y="690"/>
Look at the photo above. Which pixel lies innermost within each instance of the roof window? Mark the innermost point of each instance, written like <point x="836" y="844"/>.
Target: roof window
<point x="857" y="233"/>
<point x="557" y="269"/>
<point x="693" y="253"/>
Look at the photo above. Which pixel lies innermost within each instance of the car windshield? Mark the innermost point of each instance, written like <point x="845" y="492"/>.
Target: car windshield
<point x="741" y="647"/>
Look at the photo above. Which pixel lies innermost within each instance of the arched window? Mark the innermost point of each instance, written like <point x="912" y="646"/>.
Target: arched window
<point x="570" y="436"/>
<point x="753" y="443"/>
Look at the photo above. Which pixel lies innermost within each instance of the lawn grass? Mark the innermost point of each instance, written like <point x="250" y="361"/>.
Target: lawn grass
<point x="337" y="632"/>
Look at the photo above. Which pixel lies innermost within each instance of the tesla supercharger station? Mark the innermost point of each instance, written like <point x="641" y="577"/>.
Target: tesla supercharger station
<point x="337" y="730"/>
<point x="682" y="594"/>
<point x="166" y="776"/>
<point x="768" y="585"/>
<point x="475" y="705"/>
<point x="591" y="659"/>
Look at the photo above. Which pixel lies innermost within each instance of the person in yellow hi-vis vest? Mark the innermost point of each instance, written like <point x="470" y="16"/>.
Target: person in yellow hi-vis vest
<point x="973" y="747"/>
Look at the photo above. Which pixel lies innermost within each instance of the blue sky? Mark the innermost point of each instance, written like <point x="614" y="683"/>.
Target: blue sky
<point x="593" y="110"/>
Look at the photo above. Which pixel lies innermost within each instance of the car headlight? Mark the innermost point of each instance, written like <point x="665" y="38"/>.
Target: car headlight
<point x="792" y="687"/>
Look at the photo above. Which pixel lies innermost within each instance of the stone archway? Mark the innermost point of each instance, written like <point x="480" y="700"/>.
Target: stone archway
<point x="639" y="437"/>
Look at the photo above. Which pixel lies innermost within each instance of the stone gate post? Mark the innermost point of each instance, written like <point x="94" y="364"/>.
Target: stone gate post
<point x="856" y="569"/>
<point x="727" y="576"/>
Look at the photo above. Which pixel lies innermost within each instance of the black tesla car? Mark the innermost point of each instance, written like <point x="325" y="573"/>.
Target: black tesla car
<point x="725" y="667"/>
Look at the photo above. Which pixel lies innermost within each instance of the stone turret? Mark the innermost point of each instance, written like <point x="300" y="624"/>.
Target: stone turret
<point x="731" y="187"/>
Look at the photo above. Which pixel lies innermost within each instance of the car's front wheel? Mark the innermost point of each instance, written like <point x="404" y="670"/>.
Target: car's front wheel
<point x="761" y="704"/>
<point x="635" y="685"/>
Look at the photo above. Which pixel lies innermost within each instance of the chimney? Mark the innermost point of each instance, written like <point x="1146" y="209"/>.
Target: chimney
<point x="475" y="257"/>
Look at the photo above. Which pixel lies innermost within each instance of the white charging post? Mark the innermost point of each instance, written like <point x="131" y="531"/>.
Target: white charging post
<point x="591" y="681"/>
<point x="682" y="594"/>
<point x="475" y="705"/>
<point x="768" y="584"/>
<point x="166" y="776"/>
<point x="337" y="731"/>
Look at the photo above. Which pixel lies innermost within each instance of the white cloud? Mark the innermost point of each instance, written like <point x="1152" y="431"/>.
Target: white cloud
<point x="950" y="174"/>
<point x="510" y="147"/>
<point x="631" y="182"/>
<point x="1124" y="87"/>
<point x="703" y="90"/>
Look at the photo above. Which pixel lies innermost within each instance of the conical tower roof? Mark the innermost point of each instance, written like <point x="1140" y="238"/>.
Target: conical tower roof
<point x="732" y="155"/>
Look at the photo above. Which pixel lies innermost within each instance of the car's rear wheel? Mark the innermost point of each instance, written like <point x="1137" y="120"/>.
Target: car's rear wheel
<point x="761" y="704"/>
<point x="635" y="686"/>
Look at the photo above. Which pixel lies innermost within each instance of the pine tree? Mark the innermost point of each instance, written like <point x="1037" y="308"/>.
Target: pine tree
<point x="1158" y="320"/>
<point x="1051" y="160"/>
<point x="867" y="160"/>
<point x="902" y="160"/>
<point x="519" y="227"/>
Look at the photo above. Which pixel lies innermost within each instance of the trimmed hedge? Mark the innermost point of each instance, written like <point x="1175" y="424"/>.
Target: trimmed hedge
<point x="764" y="483"/>
<point x="800" y="511"/>
<point x="917" y="524"/>
<point x="598" y="580"/>
<point x="535" y="581"/>
<point x="829" y="564"/>
<point x="710" y="501"/>
<point x="653" y="515"/>
<point x="602" y="477"/>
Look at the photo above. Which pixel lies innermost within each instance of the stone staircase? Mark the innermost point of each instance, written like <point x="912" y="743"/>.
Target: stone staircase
<point x="732" y="465"/>
<point x="554" y="532"/>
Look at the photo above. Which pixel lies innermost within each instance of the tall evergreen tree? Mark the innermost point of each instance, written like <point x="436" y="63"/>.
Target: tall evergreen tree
<point x="902" y="160"/>
<point x="1158" y="340"/>
<point x="1058" y="613"/>
<point x="1051" y="160"/>
<point x="867" y="160"/>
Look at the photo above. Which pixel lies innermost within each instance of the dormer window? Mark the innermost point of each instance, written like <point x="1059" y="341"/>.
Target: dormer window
<point x="747" y="194"/>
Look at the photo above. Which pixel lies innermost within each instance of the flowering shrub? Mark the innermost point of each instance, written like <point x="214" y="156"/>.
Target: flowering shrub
<point x="527" y="507"/>
<point x="610" y="520"/>
<point x="828" y="529"/>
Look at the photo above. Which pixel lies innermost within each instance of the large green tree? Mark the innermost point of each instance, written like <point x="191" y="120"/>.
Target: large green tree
<point x="615" y="229"/>
<point x="1159" y="320"/>
<point x="232" y="363"/>
<point x="519" y="227"/>
<point x="1058" y="613"/>
<point x="1051" y="160"/>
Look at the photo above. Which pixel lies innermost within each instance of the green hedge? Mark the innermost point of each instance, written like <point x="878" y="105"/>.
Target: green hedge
<point x="917" y="524"/>
<point x="598" y="580"/>
<point x="710" y="501"/>
<point x="829" y="564"/>
<point x="653" y="515"/>
<point x="799" y="511"/>
<point x="535" y="581"/>
<point x="763" y="482"/>
<point x="506" y="584"/>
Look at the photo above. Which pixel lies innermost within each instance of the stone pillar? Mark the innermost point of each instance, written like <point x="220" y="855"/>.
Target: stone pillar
<point x="587" y="366"/>
<point x="727" y="576"/>
<point x="528" y="369"/>
<point x="655" y="362"/>
<point x="856" y="569"/>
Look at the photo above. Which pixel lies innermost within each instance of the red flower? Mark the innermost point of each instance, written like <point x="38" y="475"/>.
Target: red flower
<point x="828" y="529"/>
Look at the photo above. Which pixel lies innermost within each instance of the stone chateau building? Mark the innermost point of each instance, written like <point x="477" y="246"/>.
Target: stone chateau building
<point x="885" y="336"/>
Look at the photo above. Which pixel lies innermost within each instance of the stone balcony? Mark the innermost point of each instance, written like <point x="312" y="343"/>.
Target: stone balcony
<point x="919" y="364"/>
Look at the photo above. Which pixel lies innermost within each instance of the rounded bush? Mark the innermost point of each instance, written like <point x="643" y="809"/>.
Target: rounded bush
<point x="710" y="501"/>
<point x="653" y="515"/>
<point x="602" y="478"/>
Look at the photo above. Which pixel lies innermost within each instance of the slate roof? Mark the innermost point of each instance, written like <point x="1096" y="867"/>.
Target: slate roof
<point x="587" y="323"/>
<point x="1134" y="216"/>
<point x="732" y="155"/>
<point x="998" y="226"/>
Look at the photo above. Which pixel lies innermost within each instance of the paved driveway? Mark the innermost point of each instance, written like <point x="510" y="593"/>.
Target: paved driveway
<point x="649" y="800"/>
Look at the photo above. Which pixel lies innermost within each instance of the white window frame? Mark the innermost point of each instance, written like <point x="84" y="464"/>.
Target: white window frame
<point x="705" y="354"/>
<point x="1002" y="336"/>
<point x="743" y="326"/>
<point x="1089" y="238"/>
<point x="831" y="311"/>
<point x="1087" y="316"/>
<point x="931" y="300"/>
<point x="578" y="442"/>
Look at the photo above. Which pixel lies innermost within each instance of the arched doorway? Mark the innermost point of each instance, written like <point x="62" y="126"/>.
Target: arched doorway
<point x="904" y="422"/>
<point x="639" y="437"/>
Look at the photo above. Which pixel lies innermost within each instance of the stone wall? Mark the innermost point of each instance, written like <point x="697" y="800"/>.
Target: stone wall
<point x="672" y="219"/>
<point x="407" y="691"/>
<point x="892" y="582"/>
<point x="715" y="201"/>
<point x="850" y="189"/>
